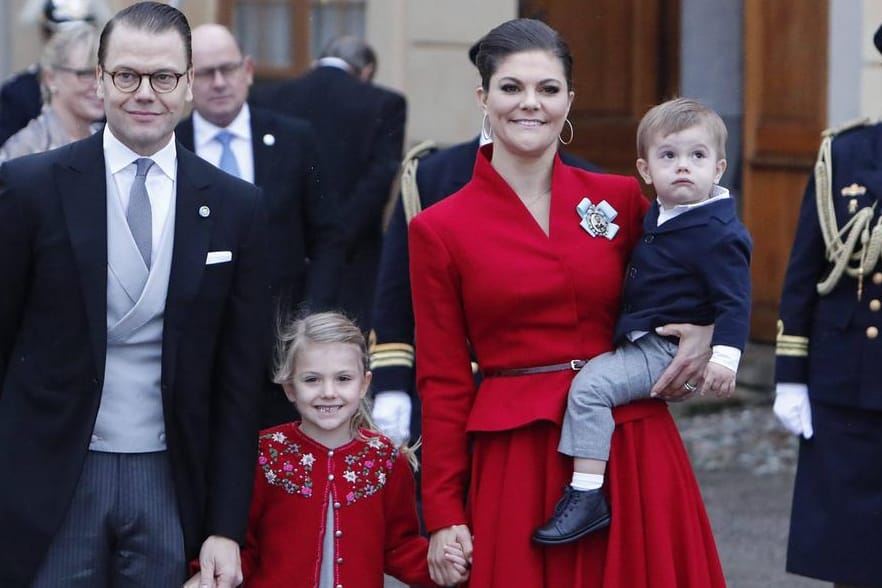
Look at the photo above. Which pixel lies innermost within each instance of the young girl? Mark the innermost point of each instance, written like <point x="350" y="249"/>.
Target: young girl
<point x="334" y="501"/>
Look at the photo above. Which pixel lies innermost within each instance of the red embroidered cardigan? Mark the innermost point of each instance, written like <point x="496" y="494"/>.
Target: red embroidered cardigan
<point x="371" y="488"/>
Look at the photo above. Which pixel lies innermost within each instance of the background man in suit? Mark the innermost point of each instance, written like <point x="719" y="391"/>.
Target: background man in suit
<point x="360" y="131"/>
<point x="278" y="154"/>
<point x="132" y="318"/>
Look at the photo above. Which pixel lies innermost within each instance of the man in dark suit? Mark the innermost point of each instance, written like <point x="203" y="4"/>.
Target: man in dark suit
<point x="132" y="316"/>
<point x="360" y="131"/>
<point x="278" y="154"/>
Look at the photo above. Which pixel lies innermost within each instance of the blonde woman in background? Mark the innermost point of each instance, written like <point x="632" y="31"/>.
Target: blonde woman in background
<point x="71" y="106"/>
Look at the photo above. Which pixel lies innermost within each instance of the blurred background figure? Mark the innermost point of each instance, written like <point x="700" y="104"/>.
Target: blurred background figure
<point x="20" y="95"/>
<point x="71" y="106"/>
<point x="360" y="130"/>
<point x="280" y="155"/>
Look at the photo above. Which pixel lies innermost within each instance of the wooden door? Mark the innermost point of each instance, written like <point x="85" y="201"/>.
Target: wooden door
<point x="626" y="59"/>
<point x="785" y="109"/>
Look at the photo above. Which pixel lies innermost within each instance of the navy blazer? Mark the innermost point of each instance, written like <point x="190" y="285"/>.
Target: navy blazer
<point x="841" y="350"/>
<point x="53" y="342"/>
<point x="695" y="268"/>
<point x="305" y="242"/>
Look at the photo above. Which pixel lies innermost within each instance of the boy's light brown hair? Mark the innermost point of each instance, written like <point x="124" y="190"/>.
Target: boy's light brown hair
<point x="677" y="115"/>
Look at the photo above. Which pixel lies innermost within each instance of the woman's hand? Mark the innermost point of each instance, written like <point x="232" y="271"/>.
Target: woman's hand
<point x="685" y="375"/>
<point x="448" y="564"/>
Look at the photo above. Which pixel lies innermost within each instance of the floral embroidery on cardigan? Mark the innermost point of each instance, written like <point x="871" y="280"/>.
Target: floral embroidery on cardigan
<point x="288" y="465"/>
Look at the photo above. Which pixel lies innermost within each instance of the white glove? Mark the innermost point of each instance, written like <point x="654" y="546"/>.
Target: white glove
<point x="391" y="414"/>
<point x="793" y="409"/>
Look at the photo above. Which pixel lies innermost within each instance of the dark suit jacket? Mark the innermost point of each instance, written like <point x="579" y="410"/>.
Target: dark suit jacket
<point x="360" y="130"/>
<point x="53" y="341"/>
<point x="303" y="216"/>
<point x="20" y="102"/>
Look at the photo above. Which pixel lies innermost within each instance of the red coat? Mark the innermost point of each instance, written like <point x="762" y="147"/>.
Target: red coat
<point x="486" y="276"/>
<point x="371" y="488"/>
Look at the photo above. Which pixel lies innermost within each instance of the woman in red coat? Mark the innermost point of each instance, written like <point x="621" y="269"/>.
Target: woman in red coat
<point x="524" y="267"/>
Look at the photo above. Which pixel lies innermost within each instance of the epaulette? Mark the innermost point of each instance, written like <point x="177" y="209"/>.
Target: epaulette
<point x="847" y="126"/>
<point x="410" y="194"/>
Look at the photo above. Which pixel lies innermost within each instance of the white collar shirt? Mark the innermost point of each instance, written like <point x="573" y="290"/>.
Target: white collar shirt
<point x="120" y="168"/>
<point x="209" y="149"/>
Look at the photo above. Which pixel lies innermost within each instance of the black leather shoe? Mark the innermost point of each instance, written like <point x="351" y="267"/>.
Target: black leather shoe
<point x="576" y="514"/>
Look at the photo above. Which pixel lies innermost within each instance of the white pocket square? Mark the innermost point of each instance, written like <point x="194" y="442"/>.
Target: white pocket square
<point x="218" y="257"/>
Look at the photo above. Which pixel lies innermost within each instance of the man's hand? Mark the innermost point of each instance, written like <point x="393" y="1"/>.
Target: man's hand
<point x="793" y="409"/>
<point x="219" y="563"/>
<point x="391" y="414"/>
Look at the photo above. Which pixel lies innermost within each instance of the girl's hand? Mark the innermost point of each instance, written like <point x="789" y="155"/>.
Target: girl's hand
<point x="685" y="375"/>
<point x="719" y="380"/>
<point x="442" y="569"/>
<point x="454" y="554"/>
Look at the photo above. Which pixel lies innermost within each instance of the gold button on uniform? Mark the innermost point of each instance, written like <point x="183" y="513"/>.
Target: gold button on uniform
<point x="875" y="305"/>
<point x="872" y="332"/>
<point x="877" y="278"/>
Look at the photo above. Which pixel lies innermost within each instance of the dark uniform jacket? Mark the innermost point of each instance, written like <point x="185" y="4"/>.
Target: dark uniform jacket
<point x="831" y="342"/>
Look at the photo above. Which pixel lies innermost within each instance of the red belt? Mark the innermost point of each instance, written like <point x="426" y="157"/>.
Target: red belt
<point x="574" y="365"/>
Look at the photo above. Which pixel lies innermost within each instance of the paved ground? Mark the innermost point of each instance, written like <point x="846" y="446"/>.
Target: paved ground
<point x="744" y="462"/>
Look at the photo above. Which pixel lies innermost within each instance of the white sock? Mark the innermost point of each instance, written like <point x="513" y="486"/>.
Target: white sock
<point x="586" y="481"/>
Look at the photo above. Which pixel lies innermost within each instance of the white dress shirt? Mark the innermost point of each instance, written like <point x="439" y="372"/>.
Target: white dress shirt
<point x="161" y="177"/>
<point x="209" y="149"/>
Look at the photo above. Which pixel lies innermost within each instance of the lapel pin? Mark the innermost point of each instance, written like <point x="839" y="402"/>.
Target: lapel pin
<point x="269" y="140"/>
<point x="204" y="211"/>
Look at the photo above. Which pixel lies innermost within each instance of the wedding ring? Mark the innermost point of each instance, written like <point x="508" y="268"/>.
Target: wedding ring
<point x="690" y="387"/>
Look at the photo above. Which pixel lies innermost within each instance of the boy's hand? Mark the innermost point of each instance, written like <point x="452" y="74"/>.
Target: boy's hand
<point x="719" y="380"/>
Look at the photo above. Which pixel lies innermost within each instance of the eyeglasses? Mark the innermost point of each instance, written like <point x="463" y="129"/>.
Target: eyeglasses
<point x="129" y="81"/>
<point x="82" y="75"/>
<point x="226" y="70"/>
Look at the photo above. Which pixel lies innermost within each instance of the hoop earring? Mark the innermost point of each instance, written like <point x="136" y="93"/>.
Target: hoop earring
<point x="486" y="129"/>
<point x="572" y="134"/>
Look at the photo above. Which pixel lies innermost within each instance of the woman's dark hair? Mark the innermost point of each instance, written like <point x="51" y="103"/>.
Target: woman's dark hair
<point x="153" y="17"/>
<point x="515" y="36"/>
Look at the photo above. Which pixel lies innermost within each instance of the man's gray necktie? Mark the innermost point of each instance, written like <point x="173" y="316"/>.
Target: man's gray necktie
<point x="138" y="214"/>
<point x="228" y="161"/>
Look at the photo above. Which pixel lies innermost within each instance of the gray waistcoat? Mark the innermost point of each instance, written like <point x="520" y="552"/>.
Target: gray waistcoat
<point x="130" y="417"/>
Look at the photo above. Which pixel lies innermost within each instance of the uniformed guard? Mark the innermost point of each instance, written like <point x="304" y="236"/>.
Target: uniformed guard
<point x="829" y="361"/>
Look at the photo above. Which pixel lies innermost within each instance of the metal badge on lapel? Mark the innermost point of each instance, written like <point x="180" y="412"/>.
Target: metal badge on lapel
<point x="598" y="220"/>
<point x="269" y="140"/>
<point x="853" y="190"/>
<point x="204" y="211"/>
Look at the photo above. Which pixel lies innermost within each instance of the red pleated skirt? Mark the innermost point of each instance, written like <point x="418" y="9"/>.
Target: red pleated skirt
<point x="660" y="536"/>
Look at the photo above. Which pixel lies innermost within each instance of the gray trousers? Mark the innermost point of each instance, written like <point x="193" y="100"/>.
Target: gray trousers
<point x="611" y="379"/>
<point x="122" y="528"/>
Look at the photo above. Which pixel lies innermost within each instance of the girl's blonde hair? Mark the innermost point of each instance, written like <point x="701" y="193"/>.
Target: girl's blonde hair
<point x="327" y="327"/>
